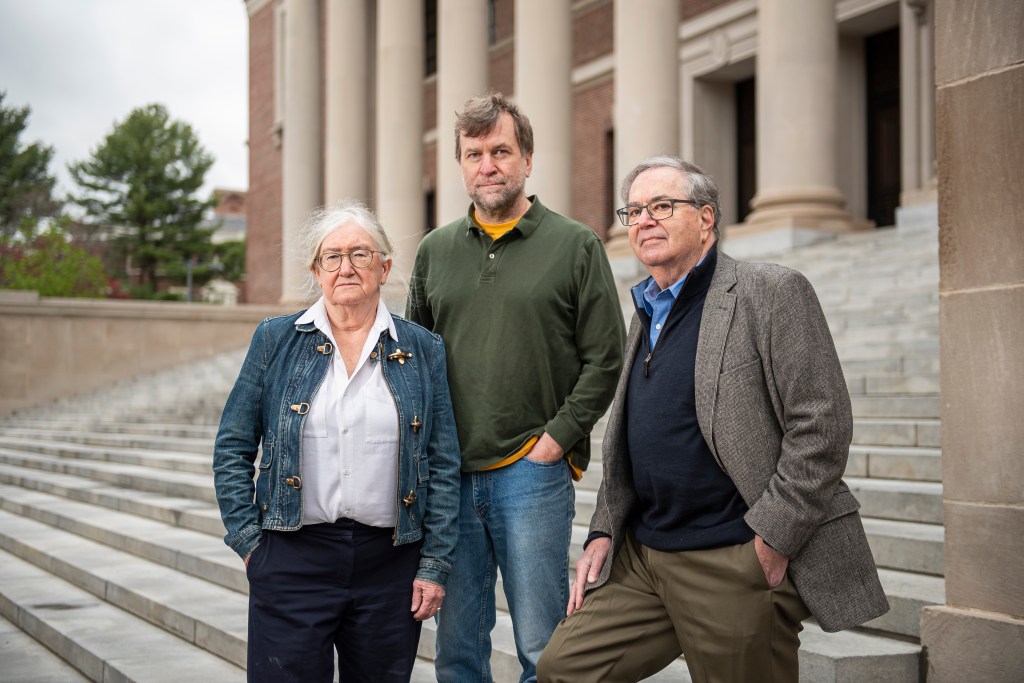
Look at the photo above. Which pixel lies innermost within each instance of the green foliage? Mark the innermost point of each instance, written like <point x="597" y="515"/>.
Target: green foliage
<point x="48" y="262"/>
<point x="232" y="259"/>
<point x="26" y="187"/>
<point x="140" y="185"/>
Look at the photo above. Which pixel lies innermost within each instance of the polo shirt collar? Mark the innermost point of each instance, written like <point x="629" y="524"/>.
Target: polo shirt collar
<point x="527" y="225"/>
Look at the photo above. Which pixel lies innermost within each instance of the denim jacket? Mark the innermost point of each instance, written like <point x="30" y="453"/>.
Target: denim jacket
<point x="281" y="373"/>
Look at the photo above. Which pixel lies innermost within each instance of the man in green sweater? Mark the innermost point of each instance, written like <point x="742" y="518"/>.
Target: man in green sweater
<point x="526" y="303"/>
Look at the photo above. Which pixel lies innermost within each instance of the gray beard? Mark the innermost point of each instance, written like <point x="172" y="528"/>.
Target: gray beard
<point x="499" y="204"/>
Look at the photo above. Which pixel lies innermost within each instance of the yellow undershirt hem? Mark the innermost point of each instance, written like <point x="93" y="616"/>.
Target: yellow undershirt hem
<point x="577" y="473"/>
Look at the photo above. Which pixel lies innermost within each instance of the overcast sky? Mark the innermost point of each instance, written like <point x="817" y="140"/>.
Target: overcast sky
<point x="81" y="65"/>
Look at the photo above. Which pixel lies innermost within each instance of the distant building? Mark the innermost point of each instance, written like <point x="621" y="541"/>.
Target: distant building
<point x="230" y="212"/>
<point x="815" y="116"/>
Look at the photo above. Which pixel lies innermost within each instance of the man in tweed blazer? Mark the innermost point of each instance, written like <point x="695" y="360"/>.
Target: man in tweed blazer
<point x="722" y="520"/>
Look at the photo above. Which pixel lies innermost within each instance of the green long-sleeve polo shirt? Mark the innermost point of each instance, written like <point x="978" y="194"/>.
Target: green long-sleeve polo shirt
<point x="533" y="329"/>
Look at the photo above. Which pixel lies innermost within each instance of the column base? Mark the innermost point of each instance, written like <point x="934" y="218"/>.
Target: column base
<point x="972" y="645"/>
<point x="750" y="242"/>
<point x="626" y="268"/>
<point x="803" y="208"/>
<point x="784" y="219"/>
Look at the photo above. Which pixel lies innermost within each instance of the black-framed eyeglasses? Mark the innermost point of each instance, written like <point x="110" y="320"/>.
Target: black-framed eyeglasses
<point x="330" y="261"/>
<point x="658" y="209"/>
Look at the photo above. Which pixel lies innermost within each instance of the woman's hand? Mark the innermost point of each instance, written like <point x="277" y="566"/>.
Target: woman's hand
<point x="426" y="599"/>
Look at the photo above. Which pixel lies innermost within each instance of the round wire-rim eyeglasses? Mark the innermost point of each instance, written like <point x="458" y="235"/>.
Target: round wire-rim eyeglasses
<point x="330" y="261"/>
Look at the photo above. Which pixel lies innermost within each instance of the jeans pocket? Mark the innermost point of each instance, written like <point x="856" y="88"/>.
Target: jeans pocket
<point x="544" y="463"/>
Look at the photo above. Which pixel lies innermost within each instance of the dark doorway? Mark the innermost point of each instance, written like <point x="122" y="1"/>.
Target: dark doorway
<point x="882" y="66"/>
<point x="746" y="147"/>
<point x="430" y="209"/>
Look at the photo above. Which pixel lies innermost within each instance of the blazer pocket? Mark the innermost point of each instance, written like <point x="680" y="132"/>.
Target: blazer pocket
<point x="843" y="503"/>
<point x="749" y="371"/>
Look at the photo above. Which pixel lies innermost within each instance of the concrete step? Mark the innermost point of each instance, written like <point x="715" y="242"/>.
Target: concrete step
<point x="907" y="546"/>
<point x="191" y="552"/>
<point x="155" y="459"/>
<point x="210" y="617"/>
<point x="25" y="660"/>
<point x="908" y="501"/>
<point x="188" y="513"/>
<point x="851" y="656"/>
<point x="897" y="432"/>
<point x="152" y="429"/>
<point x="900" y="331"/>
<point x="894" y="383"/>
<point x="849" y="350"/>
<point x="910" y="364"/>
<point x="895" y="462"/>
<point x="156" y="480"/>
<point x="908" y="593"/>
<point x="85" y="437"/>
<point x="100" y="640"/>
<point x="914" y="406"/>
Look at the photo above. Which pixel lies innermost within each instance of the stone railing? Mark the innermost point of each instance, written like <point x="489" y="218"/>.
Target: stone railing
<point x="52" y="348"/>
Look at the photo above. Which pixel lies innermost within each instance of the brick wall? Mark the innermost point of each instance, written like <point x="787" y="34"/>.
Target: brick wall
<point x="593" y="33"/>
<point x="591" y="175"/>
<point x="692" y="8"/>
<point x="504" y="19"/>
<point x="430" y="103"/>
<point x="263" y="218"/>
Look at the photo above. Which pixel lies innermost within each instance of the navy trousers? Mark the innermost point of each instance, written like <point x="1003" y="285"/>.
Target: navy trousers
<point x="332" y="587"/>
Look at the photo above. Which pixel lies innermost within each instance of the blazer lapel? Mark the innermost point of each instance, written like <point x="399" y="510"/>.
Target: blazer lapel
<point x="614" y="431"/>
<point x="719" y="305"/>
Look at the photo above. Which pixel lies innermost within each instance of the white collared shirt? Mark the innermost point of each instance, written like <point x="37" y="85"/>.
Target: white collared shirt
<point x="350" y="437"/>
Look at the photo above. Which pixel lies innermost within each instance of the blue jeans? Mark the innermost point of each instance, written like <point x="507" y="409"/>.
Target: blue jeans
<point x="516" y="520"/>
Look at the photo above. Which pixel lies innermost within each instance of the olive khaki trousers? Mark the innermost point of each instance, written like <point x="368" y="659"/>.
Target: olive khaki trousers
<point x="712" y="606"/>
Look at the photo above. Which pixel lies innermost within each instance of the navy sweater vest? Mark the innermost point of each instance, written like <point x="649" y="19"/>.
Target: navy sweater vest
<point x="686" y="501"/>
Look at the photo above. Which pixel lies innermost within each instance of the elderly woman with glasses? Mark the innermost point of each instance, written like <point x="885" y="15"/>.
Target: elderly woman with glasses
<point x="347" y="521"/>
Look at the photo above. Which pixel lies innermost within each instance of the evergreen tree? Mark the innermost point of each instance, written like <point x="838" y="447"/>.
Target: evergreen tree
<point x="140" y="185"/>
<point x="26" y="187"/>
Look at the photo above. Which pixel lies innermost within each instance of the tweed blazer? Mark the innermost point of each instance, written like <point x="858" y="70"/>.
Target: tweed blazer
<point x="774" y="409"/>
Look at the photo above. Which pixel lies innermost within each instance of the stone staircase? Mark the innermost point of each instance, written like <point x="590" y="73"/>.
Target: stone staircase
<point x="112" y="562"/>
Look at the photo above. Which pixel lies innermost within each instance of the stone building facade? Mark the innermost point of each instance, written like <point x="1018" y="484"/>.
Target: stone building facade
<point x="814" y="116"/>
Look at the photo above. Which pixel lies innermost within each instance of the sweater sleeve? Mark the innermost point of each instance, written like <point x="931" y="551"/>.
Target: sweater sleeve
<point x="599" y="337"/>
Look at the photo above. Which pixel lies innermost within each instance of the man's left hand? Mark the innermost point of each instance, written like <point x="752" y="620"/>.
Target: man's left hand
<point x="426" y="599"/>
<point x="773" y="563"/>
<point x="545" y="450"/>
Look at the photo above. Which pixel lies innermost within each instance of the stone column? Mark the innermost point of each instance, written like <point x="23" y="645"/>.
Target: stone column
<point x="302" y="144"/>
<point x="917" y="103"/>
<point x="400" y="203"/>
<point x="543" y="78"/>
<point x="349" y="98"/>
<point x="646" y="107"/>
<point x="462" y="64"/>
<point x="797" y="70"/>
<point x="979" y="634"/>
